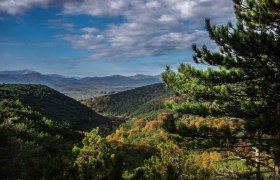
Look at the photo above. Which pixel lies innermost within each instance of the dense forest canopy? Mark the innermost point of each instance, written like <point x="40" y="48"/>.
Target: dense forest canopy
<point x="52" y="104"/>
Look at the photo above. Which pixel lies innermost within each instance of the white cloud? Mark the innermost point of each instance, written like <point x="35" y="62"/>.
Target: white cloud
<point x="96" y="7"/>
<point x="19" y="6"/>
<point x="149" y="27"/>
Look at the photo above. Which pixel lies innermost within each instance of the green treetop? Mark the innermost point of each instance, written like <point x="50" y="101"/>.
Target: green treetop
<point x="245" y="82"/>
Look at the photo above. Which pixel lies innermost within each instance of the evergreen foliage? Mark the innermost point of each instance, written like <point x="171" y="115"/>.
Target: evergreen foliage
<point x="246" y="82"/>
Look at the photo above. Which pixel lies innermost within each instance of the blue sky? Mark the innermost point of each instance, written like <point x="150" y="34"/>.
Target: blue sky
<point x="100" y="38"/>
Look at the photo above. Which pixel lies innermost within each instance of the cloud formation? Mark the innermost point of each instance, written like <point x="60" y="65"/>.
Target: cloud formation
<point x="19" y="6"/>
<point x="149" y="27"/>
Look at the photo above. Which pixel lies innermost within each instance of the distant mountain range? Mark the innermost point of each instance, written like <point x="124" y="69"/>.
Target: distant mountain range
<point x="33" y="77"/>
<point x="79" y="88"/>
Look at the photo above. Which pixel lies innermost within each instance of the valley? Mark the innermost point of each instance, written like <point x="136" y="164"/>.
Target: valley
<point x="79" y="88"/>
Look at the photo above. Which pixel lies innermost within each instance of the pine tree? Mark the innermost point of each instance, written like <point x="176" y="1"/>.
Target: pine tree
<point x="246" y="80"/>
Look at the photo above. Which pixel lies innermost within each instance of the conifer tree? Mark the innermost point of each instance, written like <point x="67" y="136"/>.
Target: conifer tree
<point x="246" y="82"/>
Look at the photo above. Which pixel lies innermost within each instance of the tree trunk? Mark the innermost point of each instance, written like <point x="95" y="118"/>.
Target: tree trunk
<point x="257" y="156"/>
<point x="276" y="155"/>
<point x="258" y="166"/>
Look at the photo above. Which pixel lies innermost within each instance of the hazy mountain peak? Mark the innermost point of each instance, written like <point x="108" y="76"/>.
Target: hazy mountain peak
<point x="27" y="71"/>
<point x="140" y="76"/>
<point x="19" y="72"/>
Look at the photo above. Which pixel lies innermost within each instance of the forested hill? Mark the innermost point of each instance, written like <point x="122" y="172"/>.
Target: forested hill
<point x="51" y="104"/>
<point x="140" y="101"/>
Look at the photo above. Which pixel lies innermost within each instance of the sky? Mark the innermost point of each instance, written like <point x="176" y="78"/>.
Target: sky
<point x="105" y="37"/>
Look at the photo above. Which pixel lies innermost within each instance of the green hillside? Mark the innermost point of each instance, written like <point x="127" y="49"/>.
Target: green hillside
<point x="33" y="146"/>
<point x="145" y="146"/>
<point x="146" y="100"/>
<point x="52" y="104"/>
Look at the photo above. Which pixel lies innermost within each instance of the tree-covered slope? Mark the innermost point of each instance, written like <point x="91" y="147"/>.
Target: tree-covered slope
<point x="51" y="104"/>
<point x="135" y="102"/>
<point x="33" y="146"/>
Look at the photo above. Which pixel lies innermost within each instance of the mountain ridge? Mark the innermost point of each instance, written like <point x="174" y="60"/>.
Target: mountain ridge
<point x="30" y="76"/>
<point x="79" y="88"/>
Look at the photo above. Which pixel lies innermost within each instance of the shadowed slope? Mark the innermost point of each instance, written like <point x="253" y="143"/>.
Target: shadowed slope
<point x="52" y="104"/>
